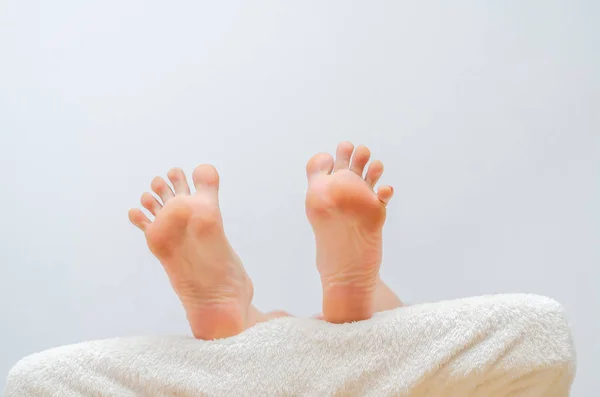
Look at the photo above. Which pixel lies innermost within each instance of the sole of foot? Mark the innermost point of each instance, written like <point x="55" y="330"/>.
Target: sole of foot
<point x="188" y="238"/>
<point x="347" y="218"/>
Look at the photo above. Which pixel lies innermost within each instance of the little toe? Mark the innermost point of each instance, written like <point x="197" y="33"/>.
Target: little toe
<point x="321" y="163"/>
<point x="342" y="155"/>
<point x="177" y="178"/>
<point x="150" y="203"/>
<point x="139" y="219"/>
<point x="374" y="172"/>
<point x="385" y="193"/>
<point x="160" y="187"/>
<point x="205" y="176"/>
<point x="360" y="159"/>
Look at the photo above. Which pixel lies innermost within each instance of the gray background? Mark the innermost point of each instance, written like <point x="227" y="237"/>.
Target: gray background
<point x="485" y="114"/>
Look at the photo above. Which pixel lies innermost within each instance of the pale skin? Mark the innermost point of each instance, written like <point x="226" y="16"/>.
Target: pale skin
<point x="347" y="217"/>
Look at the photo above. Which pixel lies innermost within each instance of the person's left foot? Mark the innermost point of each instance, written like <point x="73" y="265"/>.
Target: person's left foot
<point x="187" y="237"/>
<point x="347" y="217"/>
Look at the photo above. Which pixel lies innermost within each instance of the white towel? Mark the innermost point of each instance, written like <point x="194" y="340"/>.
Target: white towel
<point x="505" y="345"/>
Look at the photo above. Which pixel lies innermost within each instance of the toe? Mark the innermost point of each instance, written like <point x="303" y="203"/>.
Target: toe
<point x="342" y="155"/>
<point x="360" y="159"/>
<point x="150" y="203"/>
<point x="374" y="173"/>
<point x="321" y="163"/>
<point x="385" y="193"/>
<point x="205" y="176"/>
<point x="138" y="218"/>
<point x="177" y="178"/>
<point x="160" y="187"/>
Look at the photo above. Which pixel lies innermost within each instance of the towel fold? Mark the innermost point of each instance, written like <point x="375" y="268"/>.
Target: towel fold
<point x="504" y="345"/>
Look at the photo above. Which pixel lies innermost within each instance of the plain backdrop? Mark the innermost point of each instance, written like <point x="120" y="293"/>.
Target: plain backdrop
<point x="486" y="115"/>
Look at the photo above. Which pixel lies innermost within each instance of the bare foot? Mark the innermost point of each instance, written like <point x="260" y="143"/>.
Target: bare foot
<point x="187" y="237"/>
<point x="347" y="217"/>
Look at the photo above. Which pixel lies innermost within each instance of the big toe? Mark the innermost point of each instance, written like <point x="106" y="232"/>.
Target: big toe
<point x="321" y="163"/>
<point x="206" y="177"/>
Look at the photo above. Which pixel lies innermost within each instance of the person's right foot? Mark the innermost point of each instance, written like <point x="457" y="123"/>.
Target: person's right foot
<point x="347" y="217"/>
<point x="187" y="237"/>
